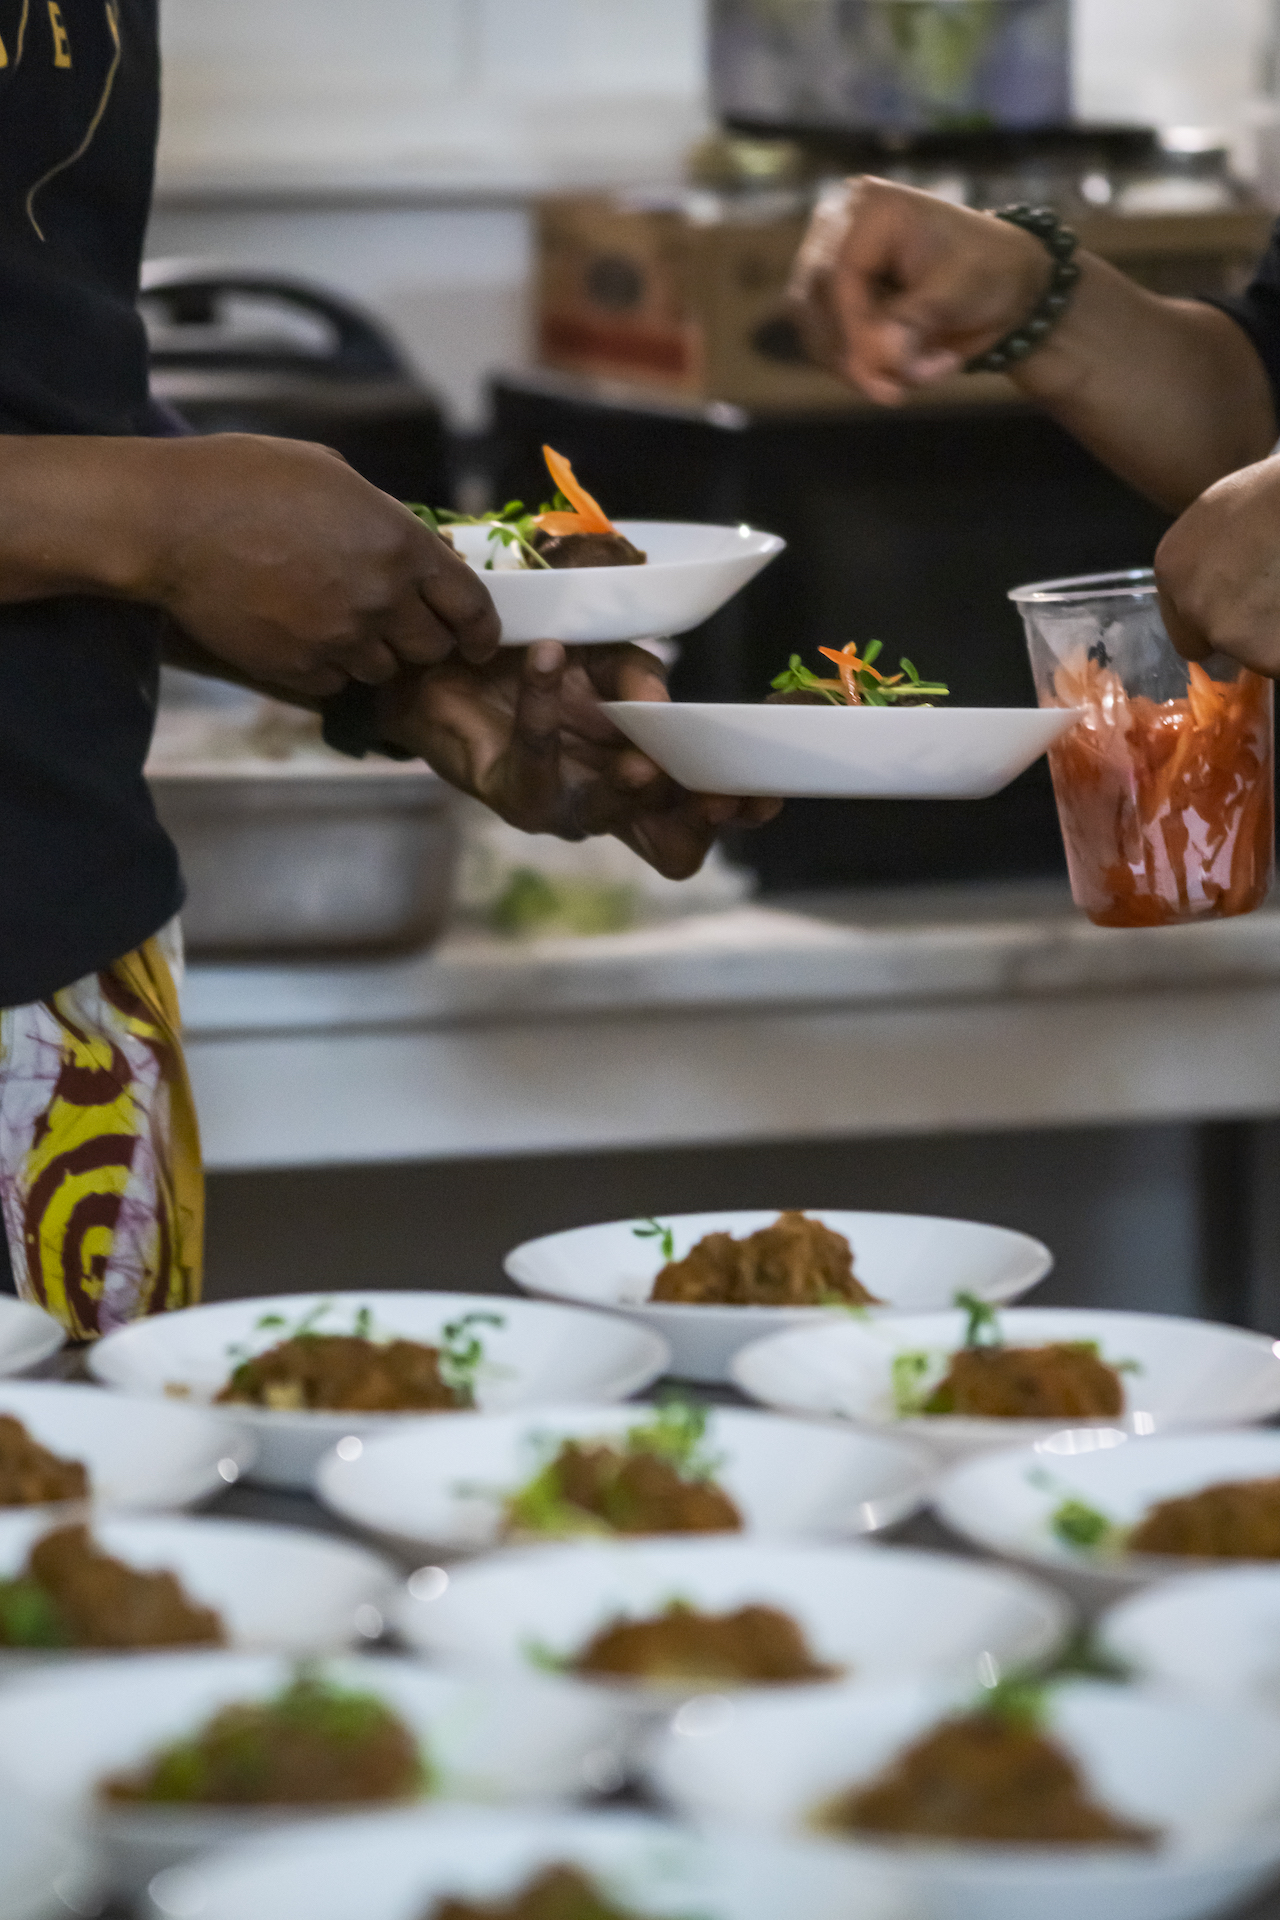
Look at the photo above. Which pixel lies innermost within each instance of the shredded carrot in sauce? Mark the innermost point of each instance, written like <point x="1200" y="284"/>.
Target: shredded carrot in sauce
<point x="1167" y="806"/>
<point x="588" y="515"/>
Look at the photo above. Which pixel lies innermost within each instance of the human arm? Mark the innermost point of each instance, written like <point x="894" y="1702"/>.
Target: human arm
<point x="526" y="733"/>
<point x="273" y="556"/>
<point x="896" y="289"/>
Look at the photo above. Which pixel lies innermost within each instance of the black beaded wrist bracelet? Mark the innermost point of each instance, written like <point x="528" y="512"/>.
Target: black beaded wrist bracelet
<point x="1044" y="225"/>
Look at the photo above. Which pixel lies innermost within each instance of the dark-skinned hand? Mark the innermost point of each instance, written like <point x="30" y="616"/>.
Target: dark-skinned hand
<point x="526" y="733"/>
<point x="1218" y="571"/>
<point x="276" y="558"/>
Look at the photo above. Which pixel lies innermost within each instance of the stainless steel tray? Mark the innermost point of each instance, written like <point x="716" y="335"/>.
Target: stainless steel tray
<point x="296" y="860"/>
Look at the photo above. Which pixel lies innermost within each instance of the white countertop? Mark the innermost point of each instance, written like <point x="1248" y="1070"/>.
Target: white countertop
<point x="918" y="1011"/>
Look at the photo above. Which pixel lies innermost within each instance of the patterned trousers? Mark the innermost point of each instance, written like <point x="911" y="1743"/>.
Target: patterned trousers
<point x="101" y="1191"/>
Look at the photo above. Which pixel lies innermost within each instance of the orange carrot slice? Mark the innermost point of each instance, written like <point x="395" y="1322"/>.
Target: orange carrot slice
<point x="592" y="515"/>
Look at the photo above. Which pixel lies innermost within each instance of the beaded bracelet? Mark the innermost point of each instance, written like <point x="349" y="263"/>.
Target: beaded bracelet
<point x="1044" y="225"/>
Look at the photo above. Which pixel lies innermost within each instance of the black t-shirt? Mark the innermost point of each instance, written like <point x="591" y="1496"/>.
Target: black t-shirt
<point x="86" y="872"/>
<point x="1258" y="311"/>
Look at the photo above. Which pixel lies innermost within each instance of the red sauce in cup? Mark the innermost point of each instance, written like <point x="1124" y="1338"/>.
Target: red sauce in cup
<point x="1167" y="806"/>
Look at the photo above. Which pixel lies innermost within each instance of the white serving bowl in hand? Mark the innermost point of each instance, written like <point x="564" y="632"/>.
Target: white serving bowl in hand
<point x="63" y="1732"/>
<point x="1208" y="1778"/>
<point x="1006" y="1502"/>
<point x="871" y="1613"/>
<point x="1215" y="1635"/>
<point x="535" y="1355"/>
<point x="1179" y="1373"/>
<point x="690" y="573"/>
<point x="440" y="1484"/>
<point x="136" y="1455"/>
<point x="396" y="1867"/>
<point x="28" y="1335"/>
<point x="277" y="1589"/>
<point x="841" y="753"/>
<point x="912" y="1262"/>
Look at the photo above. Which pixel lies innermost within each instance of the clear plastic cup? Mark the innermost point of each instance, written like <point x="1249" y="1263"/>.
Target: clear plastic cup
<point x="1165" y="789"/>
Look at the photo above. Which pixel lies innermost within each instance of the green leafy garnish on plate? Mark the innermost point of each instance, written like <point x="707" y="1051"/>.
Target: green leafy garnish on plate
<point x="30" y="1617"/>
<point x="860" y="682"/>
<point x="462" y="1350"/>
<point x="652" y="1229"/>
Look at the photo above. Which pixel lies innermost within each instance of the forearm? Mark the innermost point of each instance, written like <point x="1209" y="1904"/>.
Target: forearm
<point x="178" y="649"/>
<point x="1169" y="394"/>
<point x="78" y="514"/>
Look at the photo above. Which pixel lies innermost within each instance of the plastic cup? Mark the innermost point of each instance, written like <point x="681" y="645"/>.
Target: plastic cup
<point x="1165" y="788"/>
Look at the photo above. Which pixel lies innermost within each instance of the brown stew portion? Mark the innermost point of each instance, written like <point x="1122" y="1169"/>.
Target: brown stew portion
<point x="587" y="549"/>
<point x="71" y="1594"/>
<point x="634" y="1492"/>
<point x="313" y="1745"/>
<point x="30" y="1475"/>
<point x="343" y="1373"/>
<point x="797" y="1262"/>
<point x="1236" y="1520"/>
<point x="557" y="1893"/>
<point x="754" y="1645"/>
<point x="983" y="1776"/>
<point x="1028" y="1383"/>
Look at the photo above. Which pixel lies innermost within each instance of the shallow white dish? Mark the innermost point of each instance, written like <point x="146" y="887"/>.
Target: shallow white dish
<point x="1005" y="1501"/>
<point x="912" y="1261"/>
<point x="161" y="1455"/>
<point x="278" y="1589"/>
<point x="1215" y="1635"/>
<point x="537" y="1355"/>
<point x="873" y="1613"/>
<point x="440" y="1483"/>
<point x="1208" y="1778"/>
<point x="394" y="1867"/>
<point x="44" y="1870"/>
<point x="28" y="1335"/>
<point x="841" y="753"/>
<point x="690" y="573"/>
<point x="62" y="1732"/>
<point x="1191" y="1372"/>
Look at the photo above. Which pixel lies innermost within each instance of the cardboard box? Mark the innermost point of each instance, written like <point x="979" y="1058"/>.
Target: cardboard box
<point x="685" y="295"/>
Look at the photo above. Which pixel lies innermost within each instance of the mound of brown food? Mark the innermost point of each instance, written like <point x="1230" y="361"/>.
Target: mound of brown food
<point x="557" y="1893"/>
<point x="587" y="550"/>
<point x="797" y="1262"/>
<point x="1237" y="1520"/>
<point x="313" y="1745"/>
<point x="983" y="1776"/>
<point x="1028" y="1383"/>
<point x="73" y="1595"/>
<point x="754" y="1645"/>
<point x="30" y="1475"/>
<point x="626" y="1490"/>
<point x="342" y="1373"/>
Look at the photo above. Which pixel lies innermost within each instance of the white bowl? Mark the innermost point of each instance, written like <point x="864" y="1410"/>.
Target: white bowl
<point x="440" y="1484"/>
<point x="396" y="1866"/>
<point x="1214" y="1635"/>
<point x="62" y="1732"/>
<point x="28" y="1335"/>
<point x="690" y="573"/>
<point x="1006" y="1501"/>
<point x="278" y="1589"/>
<point x="873" y="1612"/>
<point x="841" y="753"/>
<point x="911" y="1261"/>
<point x="160" y="1455"/>
<point x="1208" y="1777"/>
<point x="539" y="1354"/>
<point x="1192" y="1373"/>
<point x="44" y="1869"/>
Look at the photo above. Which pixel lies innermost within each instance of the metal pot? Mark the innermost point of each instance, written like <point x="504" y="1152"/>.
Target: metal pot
<point x="291" y="860"/>
<point x="236" y="351"/>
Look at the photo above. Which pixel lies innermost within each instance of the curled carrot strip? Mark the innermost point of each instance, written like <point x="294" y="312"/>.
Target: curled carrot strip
<point x="563" y="523"/>
<point x="591" y="514"/>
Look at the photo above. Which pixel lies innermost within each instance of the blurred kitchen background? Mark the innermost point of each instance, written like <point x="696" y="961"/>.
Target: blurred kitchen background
<point x="434" y="234"/>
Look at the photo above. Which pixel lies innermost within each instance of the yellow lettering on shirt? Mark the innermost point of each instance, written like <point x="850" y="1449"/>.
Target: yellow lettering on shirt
<point x="61" y="38"/>
<point x="4" y="58"/>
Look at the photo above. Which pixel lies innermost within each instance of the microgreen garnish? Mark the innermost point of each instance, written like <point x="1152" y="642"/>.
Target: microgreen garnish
<point x="1077" y="1524"/>
<point x="544" y="1657"/>
<point x="513" y="525"/>
<point x="462" y="1351"/>
<point x="908" y="1373"/>
<point x="676" y="1434"/>
<point x="983" y="1326"/>
<point x="1020" y="1698"/>
<point x="654" y="1230"/>
<point x="860" y="682"/>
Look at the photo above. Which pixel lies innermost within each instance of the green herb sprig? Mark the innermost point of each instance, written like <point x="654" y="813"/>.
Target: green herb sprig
<point x="871" y="688"/>
<point x="462" y="1351"/>
<point x="513" y="525"/>
<point x="651" y="1229"/>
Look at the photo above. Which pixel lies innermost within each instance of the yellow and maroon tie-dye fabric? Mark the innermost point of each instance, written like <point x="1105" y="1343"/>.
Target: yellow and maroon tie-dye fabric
<point x="101" y="1191"/>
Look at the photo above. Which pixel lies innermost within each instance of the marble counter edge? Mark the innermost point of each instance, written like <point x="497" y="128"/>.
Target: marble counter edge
<point x="748" y="956"/>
